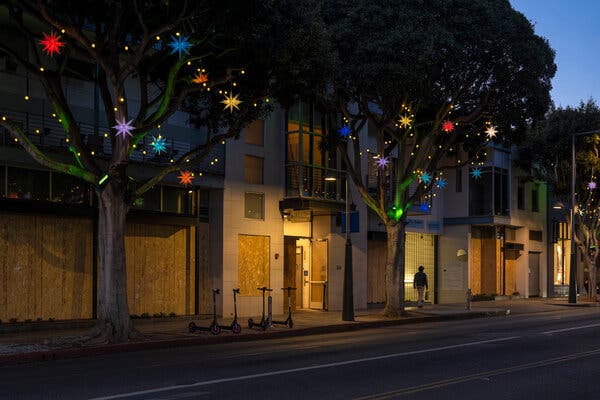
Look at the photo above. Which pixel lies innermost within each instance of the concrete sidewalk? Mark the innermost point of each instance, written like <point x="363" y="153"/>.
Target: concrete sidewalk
<point x="54" y="340"/>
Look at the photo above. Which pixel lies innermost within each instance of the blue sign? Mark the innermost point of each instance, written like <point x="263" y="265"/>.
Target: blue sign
<point x="354" y="225"/>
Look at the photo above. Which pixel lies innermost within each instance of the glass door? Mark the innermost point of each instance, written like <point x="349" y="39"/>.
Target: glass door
<point x="318" y="274"/>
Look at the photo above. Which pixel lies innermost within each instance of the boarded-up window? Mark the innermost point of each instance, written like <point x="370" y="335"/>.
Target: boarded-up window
<point x="254" y="170"/>
<point x="254" y="133"/>
<point x="253" y="264"/>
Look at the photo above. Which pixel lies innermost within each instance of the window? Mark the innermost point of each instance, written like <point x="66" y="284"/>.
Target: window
<point x="535" y="236"/>
<point x="535" y="206"/>
<point x="480" y="194"/>
<point x="69" y="189"/>
<point x="458" y="180"/>
<point x="254" y="133"/>
<point x="254" y="205"/>
<point x="501" y="206"/>
<point x="177" y="200"/>
<point x="28" y="184"/>
<point x="254" y="170"/>
<point x="521" y="195"/>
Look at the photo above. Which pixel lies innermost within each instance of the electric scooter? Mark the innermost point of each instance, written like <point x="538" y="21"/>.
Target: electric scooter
<point x="214" y="327"/>
<point x="235" y="327"/>
<point x="263" y="321"/>
<point x="289" y="321"/>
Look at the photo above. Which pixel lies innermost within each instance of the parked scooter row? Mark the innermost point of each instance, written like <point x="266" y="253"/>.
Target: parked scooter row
<point x="266" y="321"/>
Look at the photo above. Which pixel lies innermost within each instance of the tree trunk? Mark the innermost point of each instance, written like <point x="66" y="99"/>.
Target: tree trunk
<point x="394" y="270"/>
<point x="113" y="309"/>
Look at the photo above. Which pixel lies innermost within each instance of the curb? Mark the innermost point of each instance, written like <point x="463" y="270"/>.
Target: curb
<point x="208" y="340"/>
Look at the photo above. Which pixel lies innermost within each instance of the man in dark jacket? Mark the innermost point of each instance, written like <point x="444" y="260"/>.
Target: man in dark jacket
<point x="420" y="283"/>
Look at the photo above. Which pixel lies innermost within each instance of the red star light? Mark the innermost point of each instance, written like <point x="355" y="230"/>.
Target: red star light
<point x="51" y="43"/>
<point x="185" y="178"/>
<point x="448" y="126"/>
<point x="200" y="78"/>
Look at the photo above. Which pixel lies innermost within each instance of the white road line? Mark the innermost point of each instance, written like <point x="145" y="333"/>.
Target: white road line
<point x="570" y="329"/>
<point x="301" y="369"/>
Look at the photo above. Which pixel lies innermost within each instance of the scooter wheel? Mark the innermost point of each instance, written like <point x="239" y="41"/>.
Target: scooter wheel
<point x="192" y="327"/>
<point x="215" y="329"/>
<point x="236" y="328"/>
<point x="250" y="323"/>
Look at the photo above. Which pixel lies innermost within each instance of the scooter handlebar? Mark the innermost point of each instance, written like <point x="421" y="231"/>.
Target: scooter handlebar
<point x="264" y="288"/>
<point x="288" y="288"/>
<point x="236" y="290"/>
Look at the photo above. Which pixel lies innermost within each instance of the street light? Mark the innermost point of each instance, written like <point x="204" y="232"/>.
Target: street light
<point x="348" y="294"/>
<point x="573" y="267"/>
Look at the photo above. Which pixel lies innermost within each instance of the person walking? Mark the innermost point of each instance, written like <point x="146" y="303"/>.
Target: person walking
<point x="420" y="283"/>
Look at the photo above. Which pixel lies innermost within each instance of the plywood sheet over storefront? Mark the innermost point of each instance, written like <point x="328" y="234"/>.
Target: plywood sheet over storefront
<point x="45" y="267"/>
<point x="253" y="263"/>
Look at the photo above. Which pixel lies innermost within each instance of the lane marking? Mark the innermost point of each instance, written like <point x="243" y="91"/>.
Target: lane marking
<point x="301" y="369"/>
<point x="466" y="378"/>
<point x="570" y="329"/>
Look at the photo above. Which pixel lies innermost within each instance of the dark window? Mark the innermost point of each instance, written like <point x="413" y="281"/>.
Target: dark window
<point x="535" y="236"/>
<point x="521" y="195"/>
<point x="501" y="206"/>
<point x="535" y="206"/>
<point x="177" y="200"/>
<point x="480" y="194"/>
<point x="149" y="200"/>
<point x="458" y="180"/>
<point x="254" y="170"/>
<point x="2" y="182"/>
<point x="254" y="133"/>
<point x="28" y="184"/>
<point x="254" y="205"/>
<point x="69" y="189"/>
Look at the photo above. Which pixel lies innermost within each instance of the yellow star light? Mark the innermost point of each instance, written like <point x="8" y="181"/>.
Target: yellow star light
<point x="405" y="121"/>
<point x="231" y="102"/>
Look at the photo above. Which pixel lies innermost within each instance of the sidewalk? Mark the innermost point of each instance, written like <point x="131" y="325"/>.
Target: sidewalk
<point x="51" y="341"/>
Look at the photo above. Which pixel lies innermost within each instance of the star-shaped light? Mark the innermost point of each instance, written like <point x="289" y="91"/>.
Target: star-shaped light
<point x="425" y="177"/>
<point x="231" y="102"/>
<point x="490" y="132"/>
<point x="159" y="144"/>
<point x="382" y="162"/>
<point x="51" y="43"/>
<point x="476" y="173"/>
<point x="344" y="131"/>
<point x="180" y="44"/>
<point x="448" y="126"/>
<point x="200" y="78"/>
<point x="441" y="183"/>
<point x="185" y="177"/>
<point x="424" y="207"/>
<point x="405" y="121"/>
<point x="592" y="185"/>
<point x="124" y="128"/>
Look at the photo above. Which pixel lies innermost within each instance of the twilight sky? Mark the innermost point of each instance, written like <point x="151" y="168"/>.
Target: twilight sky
<point x="573" y="29"/>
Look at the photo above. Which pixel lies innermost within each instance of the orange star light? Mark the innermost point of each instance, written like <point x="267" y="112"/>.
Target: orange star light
<point x="448" y="126"/>
<point x="186" y="177"/>
<point x="200" y="78"/>
<point x="51" y="43"/>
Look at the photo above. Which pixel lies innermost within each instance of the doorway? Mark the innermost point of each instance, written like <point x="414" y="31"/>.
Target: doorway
<point x="292" y="272"/>
<point x="534" y="274"/>
<point x="318" y="274"/>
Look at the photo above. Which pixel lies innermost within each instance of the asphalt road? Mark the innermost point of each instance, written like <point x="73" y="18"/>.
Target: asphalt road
<point x="552" y="355"/>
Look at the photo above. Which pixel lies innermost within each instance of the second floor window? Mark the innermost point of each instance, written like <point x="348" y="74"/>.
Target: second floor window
<point x="254" y="170"/>
<point x="489" y="194"/>
<point x="254" y="133"/>
<point x="535" y="200"/>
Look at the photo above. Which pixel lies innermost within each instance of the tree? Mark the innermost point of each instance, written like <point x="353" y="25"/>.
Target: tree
<point x="224" y="61"/>
<point x="547" y="154"/>
<point x="435" y="82"/>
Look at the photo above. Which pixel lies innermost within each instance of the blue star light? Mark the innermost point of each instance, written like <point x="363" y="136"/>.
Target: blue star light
<point x="180" y="44"/>
<point x="441" y="183"/>
<point x="476" y="173"/>
<point x="425" y="177"/>
<point x="159" y="144"/>
<point x="344" y="131"/>
<point x="124" y="128"/>
<point x="424" y="207"/>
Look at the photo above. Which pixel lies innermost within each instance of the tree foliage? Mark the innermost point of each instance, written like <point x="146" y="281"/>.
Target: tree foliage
<point x="474" y="64"/>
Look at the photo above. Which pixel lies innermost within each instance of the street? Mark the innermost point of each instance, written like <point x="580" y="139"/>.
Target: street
<point x="545" y="355"/>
